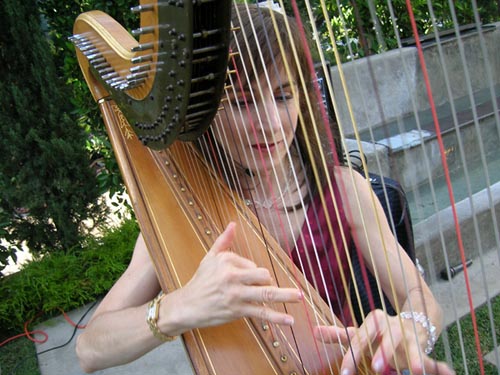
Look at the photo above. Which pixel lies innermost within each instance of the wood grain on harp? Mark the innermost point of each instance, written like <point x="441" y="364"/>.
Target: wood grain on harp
<point x="322" y="229"/>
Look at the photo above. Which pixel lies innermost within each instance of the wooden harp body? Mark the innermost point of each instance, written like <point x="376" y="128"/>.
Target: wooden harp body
<point x="182" y="205"/>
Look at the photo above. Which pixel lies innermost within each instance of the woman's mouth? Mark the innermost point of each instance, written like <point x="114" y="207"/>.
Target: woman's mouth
<point x="266" y="146"/>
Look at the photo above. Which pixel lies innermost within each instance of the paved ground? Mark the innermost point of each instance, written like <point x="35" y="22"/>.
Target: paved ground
<point x="171" y="358"/>
<point x="63" y="361"/>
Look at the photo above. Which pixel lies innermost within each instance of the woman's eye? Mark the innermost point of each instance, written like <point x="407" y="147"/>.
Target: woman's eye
<point x="241" y="101"/>
<point x="284" y="97"/>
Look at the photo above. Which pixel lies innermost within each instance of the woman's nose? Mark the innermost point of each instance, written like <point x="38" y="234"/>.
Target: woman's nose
<point x="270" y="117"/>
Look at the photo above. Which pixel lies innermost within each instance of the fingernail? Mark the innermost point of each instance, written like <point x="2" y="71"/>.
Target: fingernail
<point x="289" y="320"/>
<point x="378" y="365"/>
<point x="346" y="371"/>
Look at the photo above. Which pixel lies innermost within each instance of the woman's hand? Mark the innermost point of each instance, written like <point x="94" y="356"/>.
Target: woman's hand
<point x="226" y="287"/>
<point x="388" y="341"/>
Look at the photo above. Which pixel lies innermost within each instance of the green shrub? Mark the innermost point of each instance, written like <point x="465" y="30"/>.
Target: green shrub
<point x="48" y="189"/>
<point x="65" y="280"/>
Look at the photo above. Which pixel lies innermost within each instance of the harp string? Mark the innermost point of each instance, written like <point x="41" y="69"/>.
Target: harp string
<point x="372" y="201"/>
<point x="330" y="226"/>
<point x="482" y="156"/>
<point x="332" y="38"/>
<point x="366" y="171"/>
<point x="261" y="183"/>
<point x="467" y="178"/>
<point x="250" y="119"/>
<point x="255" y="137"/>
<point x="330" y="188"/>
<point x="448" y="183"/>
<point x="329" y="93"/>
<point x="324" y="166"/>
<point x="332" y="43"/>
<point x="226" y="139"/>
<point x="351" y="114"/>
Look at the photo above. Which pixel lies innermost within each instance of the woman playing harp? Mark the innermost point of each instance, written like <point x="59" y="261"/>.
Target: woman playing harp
<point x="266" y="129"/>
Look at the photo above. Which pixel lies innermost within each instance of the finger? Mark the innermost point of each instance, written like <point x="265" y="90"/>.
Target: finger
<point x="240" y="261"/>
<point x="361" y="345"/>
<point x="270" y="294"/>
<point x="430" y="366"/>
<point x="255" y="276"/>
<point x="225" y="240"/>
<point x="386" y="352"/>
<point x="335" y="334"/>
<point x="267" y="314"/>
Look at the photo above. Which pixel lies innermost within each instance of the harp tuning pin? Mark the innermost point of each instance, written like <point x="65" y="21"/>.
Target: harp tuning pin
<point x="84" y="45"/>
<point x="105" y="70"/>
<point x="97" y="55"/>
<point x="111" y="75"/>
<point x="137" y="76"/>
<point x="142" y="8"/>
<point x="102" y="65"/>
<point x="140" y="59"/>
<point x="78" y="39"/>
<point x="140" y="68"/>
<point x="97" y="61"/>
<point x="143" y="30"/>
<point x="113" y="82"/>
<point x="142" y="47"/>
<point x="90" y="52"/>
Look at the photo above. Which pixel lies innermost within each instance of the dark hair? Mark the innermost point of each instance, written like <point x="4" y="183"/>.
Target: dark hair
<point x="256" y="34"/>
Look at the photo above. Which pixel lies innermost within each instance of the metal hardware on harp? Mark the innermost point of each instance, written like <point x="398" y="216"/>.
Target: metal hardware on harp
<point x="168" y="84"/>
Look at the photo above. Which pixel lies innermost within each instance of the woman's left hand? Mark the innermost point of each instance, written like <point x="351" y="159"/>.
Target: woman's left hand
<point x="388" y="341"/>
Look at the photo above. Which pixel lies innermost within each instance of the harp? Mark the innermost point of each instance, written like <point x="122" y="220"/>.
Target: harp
<point x="159" y="94"/>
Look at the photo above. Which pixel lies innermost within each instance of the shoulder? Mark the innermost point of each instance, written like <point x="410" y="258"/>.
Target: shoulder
<point x="357" y="195"/>
<point x="350" y="181"/>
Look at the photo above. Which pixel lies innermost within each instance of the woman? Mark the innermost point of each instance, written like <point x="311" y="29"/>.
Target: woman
<point x="268" y="137"/>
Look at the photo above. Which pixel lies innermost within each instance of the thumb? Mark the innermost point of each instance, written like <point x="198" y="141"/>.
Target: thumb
<point x="225" y="240"/>
<point x="334" y="334"/>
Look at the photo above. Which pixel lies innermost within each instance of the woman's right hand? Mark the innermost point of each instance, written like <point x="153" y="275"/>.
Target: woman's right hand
<point x="225" y="287"/>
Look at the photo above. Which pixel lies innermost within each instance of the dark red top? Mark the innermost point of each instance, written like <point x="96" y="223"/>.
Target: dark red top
<point x="320" y="252"/>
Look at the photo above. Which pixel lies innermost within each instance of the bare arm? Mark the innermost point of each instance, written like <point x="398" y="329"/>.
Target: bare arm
<point x="224" y="288"/>
<point x="396" y="343"/>
<point x="118" y="332"/>
<point x="398" y="276"/>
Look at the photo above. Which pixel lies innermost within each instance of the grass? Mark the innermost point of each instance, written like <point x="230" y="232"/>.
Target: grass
<point x="18" y="357"/>
<point x="463" y="332"/>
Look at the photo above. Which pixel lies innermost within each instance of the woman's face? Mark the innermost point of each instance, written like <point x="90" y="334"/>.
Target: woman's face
<point x="256" y="127"/>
